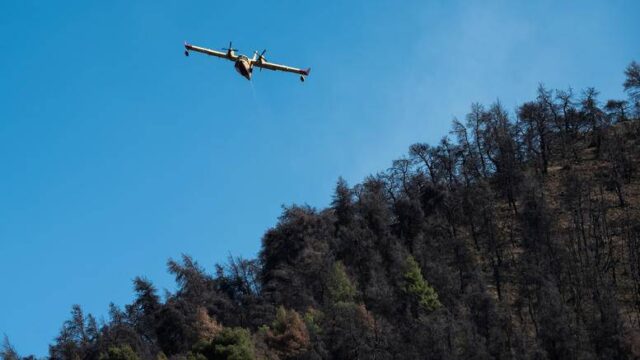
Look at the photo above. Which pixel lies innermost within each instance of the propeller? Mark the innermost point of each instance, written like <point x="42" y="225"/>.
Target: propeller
<point x="230" y="48"/>
<point x="261" y="58"/>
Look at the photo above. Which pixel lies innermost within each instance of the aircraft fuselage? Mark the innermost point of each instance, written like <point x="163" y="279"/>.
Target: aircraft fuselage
<point x="243" y="67"/>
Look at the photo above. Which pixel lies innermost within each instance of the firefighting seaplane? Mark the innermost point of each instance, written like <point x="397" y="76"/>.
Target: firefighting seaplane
<point x="243" y="64"/>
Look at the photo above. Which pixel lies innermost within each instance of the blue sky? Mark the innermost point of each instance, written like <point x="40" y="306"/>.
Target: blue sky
<point x="117" y="152"/>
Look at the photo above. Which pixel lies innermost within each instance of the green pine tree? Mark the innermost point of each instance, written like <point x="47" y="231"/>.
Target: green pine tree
<point x="229" y="344"/>
<point x="418" y="288"/>
<point x="339" y="287"/>
<point x="123" y="352"/>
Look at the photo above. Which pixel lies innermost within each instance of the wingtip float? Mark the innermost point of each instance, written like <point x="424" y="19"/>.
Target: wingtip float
<point x="245" y="65"/>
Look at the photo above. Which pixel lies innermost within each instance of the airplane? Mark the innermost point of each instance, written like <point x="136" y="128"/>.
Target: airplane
<point x="243" y="64"/>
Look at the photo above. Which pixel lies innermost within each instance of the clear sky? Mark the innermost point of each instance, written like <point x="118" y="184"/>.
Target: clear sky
<point x="117" y="152"/>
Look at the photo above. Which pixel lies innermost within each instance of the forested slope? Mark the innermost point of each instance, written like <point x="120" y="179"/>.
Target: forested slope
<point x="515" y="237"/>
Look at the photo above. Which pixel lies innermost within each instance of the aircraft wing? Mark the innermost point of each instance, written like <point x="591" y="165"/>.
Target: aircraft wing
<point x="278" y="67"/>
<point x="220" y="54"/>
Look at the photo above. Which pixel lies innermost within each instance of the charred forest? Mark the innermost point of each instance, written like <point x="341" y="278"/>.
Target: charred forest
<point x="517" y="236"/>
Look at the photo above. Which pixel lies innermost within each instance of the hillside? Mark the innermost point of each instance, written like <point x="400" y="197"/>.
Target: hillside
<point x="517" y="236"/>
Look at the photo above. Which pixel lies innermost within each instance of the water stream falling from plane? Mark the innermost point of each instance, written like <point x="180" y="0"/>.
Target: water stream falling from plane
<point x="259" y="107"/>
